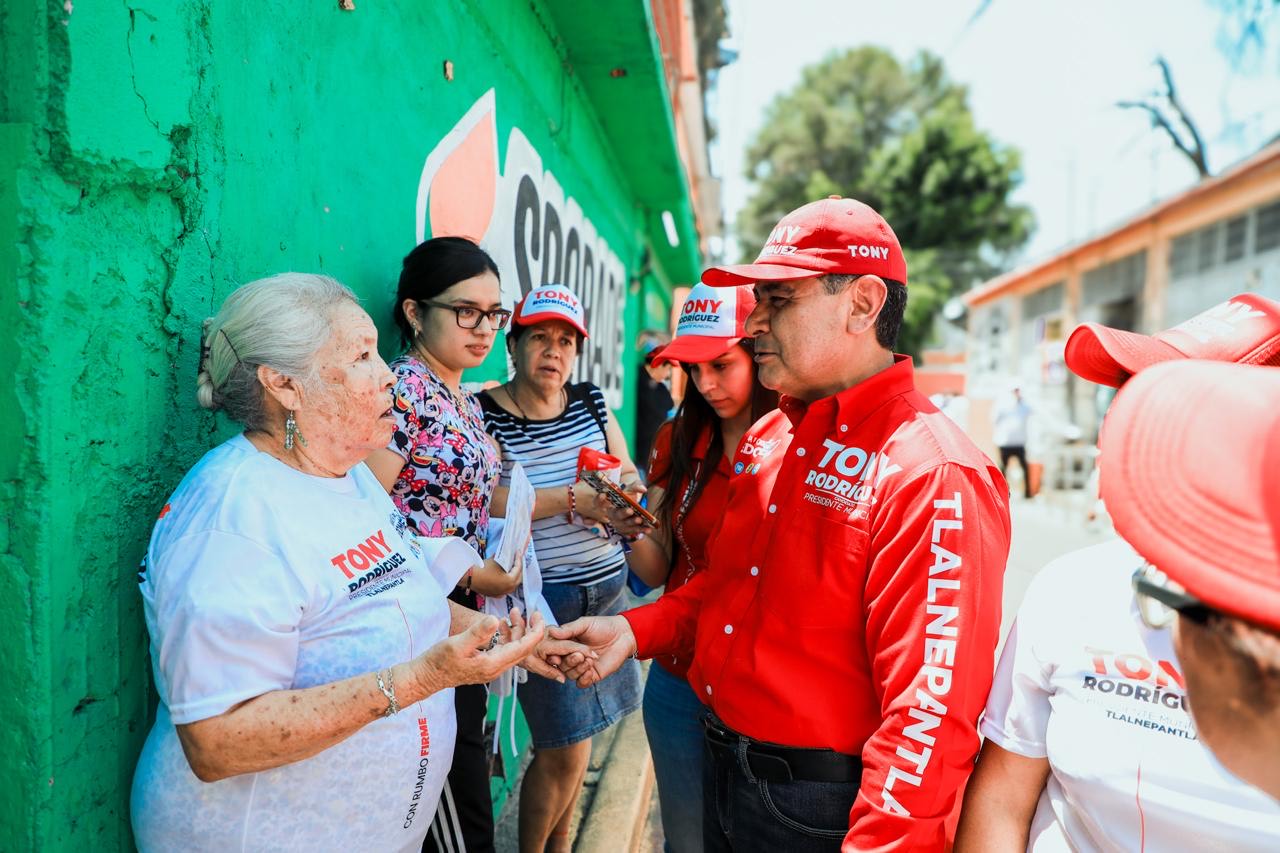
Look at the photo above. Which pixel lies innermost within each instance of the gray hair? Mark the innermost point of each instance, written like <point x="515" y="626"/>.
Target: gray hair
<point x="835" y="282"/>
<point x="280" y="322"/>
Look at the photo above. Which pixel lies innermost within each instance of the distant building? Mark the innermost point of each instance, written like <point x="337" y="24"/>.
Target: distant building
<point x="1174" y="260"/>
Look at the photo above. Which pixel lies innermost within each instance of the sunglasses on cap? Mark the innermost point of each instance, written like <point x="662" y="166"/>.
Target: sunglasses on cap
<point x="1160" y="599"/>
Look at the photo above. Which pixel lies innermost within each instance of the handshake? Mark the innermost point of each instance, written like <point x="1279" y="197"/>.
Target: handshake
<point x="585" y="650"/>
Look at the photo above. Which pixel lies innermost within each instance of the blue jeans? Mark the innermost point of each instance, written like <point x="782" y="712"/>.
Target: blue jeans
<point x="743" y="813"/>
<point x="673" y="723"/>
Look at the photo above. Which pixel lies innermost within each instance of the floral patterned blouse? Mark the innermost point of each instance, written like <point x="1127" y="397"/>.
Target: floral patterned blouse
<point x="451" y="467"/>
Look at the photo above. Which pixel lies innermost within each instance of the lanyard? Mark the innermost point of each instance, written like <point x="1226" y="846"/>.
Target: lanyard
<point x="686" y="501"/>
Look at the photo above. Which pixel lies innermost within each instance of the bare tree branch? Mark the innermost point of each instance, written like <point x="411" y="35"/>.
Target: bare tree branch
<point x="1193" y="150"/>
<point x="1200" y="157"/>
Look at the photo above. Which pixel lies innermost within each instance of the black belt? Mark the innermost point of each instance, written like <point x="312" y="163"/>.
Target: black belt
<point x="773" y="762"/>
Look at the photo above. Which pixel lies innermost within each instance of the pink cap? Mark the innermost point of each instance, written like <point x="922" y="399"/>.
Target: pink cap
<point x="1190" y="452"/>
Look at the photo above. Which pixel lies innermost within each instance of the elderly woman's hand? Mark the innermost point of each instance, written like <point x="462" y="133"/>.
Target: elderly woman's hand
<point x="473" y="656"/>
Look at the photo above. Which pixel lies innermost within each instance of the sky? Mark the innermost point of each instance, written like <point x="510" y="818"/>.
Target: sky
<point x="1043" y="77"/>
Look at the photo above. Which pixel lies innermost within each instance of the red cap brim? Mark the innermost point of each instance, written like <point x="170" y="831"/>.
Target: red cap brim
<point x="694" y="349"/>
<point x="1110" y="356"/>
<point x="1189" y="450"/>
<point x="543" y="316"/>
<point x="740" y="274"/>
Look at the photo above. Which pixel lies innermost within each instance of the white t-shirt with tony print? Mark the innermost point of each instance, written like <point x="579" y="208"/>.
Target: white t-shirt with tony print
<point x="1083" y="682"/>
<point x="261" y="578"/>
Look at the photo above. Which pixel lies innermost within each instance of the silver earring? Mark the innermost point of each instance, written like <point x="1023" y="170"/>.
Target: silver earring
<point x="291" y="432"/>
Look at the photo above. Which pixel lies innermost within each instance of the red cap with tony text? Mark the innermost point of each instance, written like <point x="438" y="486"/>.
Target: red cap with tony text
<point x="711" y="321"/>
<point x="833" y="236"/>
<point x="1245" y="329"/>
<point x="551" y="302"/>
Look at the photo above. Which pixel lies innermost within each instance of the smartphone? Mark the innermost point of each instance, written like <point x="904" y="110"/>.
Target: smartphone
<point x="616" y="496"/>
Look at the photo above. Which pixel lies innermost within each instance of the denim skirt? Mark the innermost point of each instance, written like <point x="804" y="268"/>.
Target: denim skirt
<point x="564" y="714"/>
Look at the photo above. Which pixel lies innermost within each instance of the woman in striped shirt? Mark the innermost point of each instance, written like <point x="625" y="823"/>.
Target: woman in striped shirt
<point x="542" y="421"/>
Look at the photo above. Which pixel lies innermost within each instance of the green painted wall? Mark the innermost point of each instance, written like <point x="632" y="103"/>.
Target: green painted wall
<point x="154" y="154"/>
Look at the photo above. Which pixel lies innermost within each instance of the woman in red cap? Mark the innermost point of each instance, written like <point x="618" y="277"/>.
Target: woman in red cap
<point x="689" y="469"/>
<point x="1205" y="514"/>
<point x="542" y="420"/>
<point x="1090" y="745"/>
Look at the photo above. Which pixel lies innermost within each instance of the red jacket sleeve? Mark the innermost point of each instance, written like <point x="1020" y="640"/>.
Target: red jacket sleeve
<point x="669" y="624"/>
<point x="933" y="598"/>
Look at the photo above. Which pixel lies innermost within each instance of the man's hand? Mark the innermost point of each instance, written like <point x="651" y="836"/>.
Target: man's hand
<point x="609" y="637"/>
<point x="488" y="648"/>
<point x="551" y="657"/>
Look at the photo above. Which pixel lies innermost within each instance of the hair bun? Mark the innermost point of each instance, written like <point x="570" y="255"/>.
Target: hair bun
<point x="205" y="392"/>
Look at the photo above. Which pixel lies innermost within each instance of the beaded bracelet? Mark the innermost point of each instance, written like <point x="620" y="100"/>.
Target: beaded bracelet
<point x="573" y="505"/>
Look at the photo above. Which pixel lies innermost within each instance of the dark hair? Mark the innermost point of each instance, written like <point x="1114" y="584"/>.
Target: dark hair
<point x="433" y="267"/>
<point x="694" y="416"/>
<point x="889" y="322"/>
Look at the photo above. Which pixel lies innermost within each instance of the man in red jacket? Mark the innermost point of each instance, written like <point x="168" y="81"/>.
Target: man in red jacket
<point x="845" y="629"/>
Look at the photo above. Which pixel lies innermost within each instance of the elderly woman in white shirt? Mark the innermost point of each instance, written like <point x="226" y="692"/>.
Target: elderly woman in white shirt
<point x="302" y="645"/>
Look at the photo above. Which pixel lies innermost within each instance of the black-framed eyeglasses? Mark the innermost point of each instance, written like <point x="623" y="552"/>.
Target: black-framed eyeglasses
<point x="1160" y="599"/>
<point x="468" y="316"/>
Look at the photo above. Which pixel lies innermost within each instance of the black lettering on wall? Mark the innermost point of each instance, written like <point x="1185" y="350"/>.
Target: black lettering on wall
<point x="527" y="244"/>
<point x="572" y="256"/>
<point x="551" y="230"/>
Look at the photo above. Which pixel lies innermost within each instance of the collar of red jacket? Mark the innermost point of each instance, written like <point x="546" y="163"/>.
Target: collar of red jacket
<point x="854" y="404"/>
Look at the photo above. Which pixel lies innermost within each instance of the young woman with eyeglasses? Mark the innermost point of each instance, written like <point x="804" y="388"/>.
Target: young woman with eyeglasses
<point x="441" y="469"/>
<point x="1090" y="745"/>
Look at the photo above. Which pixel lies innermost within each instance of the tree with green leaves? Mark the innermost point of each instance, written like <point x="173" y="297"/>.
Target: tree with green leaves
<point x="901" y="138"/>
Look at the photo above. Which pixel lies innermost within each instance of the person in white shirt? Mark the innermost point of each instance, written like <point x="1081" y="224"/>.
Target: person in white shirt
<point x="1090" y="745"/>
<point x="303" y="650"/>
<point x="1205" y="513"/>
<point x="1010" y="435"/>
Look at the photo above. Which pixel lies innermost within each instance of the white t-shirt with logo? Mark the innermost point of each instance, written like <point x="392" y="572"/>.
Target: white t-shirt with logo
<point x="1084" y="683"/>
<point x="261" y="578"/>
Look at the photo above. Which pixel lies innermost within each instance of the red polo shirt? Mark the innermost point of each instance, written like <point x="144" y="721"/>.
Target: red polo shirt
<point x="853" y="598"/>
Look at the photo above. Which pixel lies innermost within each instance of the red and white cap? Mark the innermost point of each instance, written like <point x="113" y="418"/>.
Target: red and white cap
<point x="835" y="235"/>
<point x="711" y="320"/>
<point x="1245" y="329"/>
<point x="1190" y="452"/>
<point x="551" y="302"/>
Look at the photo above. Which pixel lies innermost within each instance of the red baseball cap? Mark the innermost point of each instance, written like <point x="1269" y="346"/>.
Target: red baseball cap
<point x="551" y="302"/>
<point x="1245" y="329"/>
<point x="711" y="320"/>
<point x="835" y="235"/>
<point x="1190" y="452"/>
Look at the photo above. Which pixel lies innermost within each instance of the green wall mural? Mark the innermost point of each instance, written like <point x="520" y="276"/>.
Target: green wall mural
<point x="155" y="154"/>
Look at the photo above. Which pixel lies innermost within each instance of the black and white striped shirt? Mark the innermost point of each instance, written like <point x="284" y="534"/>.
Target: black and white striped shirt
<point x="548" y="450"/>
